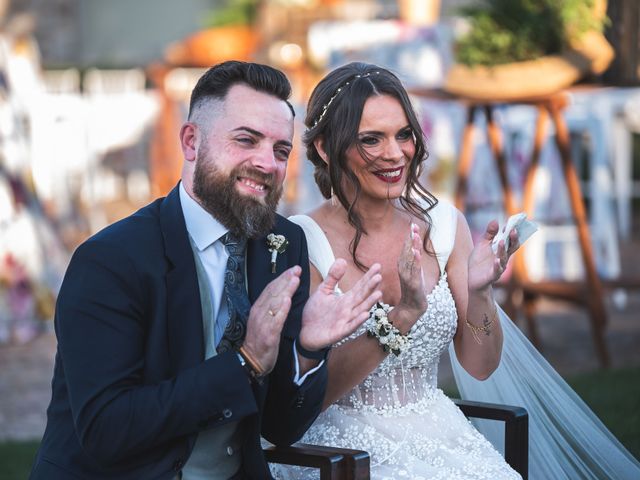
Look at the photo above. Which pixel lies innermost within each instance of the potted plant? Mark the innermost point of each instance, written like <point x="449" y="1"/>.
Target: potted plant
<point x="528" y="48"/>
<point x="228" y="34"/>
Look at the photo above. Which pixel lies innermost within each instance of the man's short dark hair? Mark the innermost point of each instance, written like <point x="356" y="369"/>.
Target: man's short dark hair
<point x="216" y="82"/>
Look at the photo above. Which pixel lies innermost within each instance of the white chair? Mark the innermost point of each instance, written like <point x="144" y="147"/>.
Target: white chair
<point x="102" y="81"/>
<point x="66" y="81"/>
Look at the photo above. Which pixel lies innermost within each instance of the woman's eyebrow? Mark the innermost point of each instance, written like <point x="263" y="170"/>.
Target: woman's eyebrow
<point x="379" y="132"/>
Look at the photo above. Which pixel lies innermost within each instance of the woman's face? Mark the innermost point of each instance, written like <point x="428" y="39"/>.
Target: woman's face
<point x="388" y="143"/>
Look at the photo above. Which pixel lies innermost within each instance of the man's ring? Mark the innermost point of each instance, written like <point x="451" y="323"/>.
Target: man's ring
<point x="271" y="313"/>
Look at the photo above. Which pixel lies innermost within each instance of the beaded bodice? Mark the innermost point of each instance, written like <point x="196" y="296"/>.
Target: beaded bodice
<point x="401" y="381"/>
<point x="410" y="428"/>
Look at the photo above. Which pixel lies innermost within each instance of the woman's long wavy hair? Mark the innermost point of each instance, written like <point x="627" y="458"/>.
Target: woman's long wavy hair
<point x="333" y="115"/>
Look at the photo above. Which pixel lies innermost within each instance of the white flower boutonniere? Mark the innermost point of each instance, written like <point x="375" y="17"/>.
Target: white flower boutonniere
<point x="277" y="244"/>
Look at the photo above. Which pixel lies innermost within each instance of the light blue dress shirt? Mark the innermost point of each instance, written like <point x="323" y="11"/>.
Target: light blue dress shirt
<point x="206" y="233"/>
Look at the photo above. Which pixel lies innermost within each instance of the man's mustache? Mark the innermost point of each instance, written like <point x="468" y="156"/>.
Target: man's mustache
<point x="269" y="179"/>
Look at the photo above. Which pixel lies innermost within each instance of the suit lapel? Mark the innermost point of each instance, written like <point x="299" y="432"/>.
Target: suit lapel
<point x="184" y="313"/>
<point x="258" y="267"/>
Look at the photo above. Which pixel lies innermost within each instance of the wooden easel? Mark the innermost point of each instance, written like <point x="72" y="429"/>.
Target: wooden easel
<point x="521" y="291"/>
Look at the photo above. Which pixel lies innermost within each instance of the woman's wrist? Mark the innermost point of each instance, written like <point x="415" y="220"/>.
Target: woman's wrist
<point x="484" y="294"/>
<point x="404" y="317"/>
<point x="381" y="327"/>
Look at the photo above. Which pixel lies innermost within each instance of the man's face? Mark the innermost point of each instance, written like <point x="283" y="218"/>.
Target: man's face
<point x="242" y="160"/>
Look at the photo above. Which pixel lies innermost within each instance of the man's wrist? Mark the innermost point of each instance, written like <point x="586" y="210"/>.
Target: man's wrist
<point x="250" y="364"/>
<point x="312" y="354"/>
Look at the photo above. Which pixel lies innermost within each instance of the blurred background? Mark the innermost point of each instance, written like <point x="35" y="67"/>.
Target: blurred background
<point x="526" y="105"/>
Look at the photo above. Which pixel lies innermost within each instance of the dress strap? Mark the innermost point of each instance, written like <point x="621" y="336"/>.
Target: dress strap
<point x="320" y="253"/>
<point x="444" y="223"/>
<point x="444" y="217"/>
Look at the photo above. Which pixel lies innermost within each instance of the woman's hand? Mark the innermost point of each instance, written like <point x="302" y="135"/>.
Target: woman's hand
<point x="413" y="301"/>
<point x="486" y="267"/>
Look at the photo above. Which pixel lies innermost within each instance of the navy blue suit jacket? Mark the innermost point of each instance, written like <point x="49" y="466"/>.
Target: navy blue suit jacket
<point x="131" y="388"/>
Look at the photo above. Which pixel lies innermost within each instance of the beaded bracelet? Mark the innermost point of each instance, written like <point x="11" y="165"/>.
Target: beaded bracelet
<point x="379" y="327"/>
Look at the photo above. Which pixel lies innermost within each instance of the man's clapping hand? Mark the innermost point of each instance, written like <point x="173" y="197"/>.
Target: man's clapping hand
<point x="267" y="317"/>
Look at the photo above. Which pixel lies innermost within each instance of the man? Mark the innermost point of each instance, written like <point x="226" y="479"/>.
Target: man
<point x="168" y="365"/>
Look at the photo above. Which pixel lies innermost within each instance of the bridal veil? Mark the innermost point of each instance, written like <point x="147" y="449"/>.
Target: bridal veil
<point x="566" y="440"/>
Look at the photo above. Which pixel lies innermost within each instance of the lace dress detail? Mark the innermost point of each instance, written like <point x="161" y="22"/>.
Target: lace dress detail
<point x="410" y="428"/>
<point x="401" y="381"/>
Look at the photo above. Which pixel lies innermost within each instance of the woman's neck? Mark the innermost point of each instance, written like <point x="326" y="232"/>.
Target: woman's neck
<point x="376" y="215"/>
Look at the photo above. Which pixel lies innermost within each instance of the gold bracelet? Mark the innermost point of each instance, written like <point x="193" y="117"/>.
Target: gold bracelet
<point x="484" y="328"/>
<point x="254" y="366"/>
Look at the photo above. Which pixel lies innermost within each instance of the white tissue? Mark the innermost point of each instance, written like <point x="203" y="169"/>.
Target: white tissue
<point x="519" y="222"/>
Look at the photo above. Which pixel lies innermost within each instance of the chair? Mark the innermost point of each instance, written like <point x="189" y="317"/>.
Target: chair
<point x="65" y="81"/>
<point x="334" y="463"/>
<point x="104" y="82"/>
<point x="346" y="464"/>
<point x="516" y="430"/>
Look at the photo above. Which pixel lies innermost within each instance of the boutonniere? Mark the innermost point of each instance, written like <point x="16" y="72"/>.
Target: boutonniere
<point x="277" y="244"/>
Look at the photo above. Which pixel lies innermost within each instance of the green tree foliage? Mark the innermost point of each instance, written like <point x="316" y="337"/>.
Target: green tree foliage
<point x="505" y="31"/>
<point x="233" y="12"/>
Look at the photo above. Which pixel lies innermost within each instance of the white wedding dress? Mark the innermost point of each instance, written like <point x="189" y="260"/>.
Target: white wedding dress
<point x="408" y="425"/>
<point x="412" y="430"/>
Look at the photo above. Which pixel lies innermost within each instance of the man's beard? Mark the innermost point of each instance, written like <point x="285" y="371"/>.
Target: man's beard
<point x="243" y="215"/>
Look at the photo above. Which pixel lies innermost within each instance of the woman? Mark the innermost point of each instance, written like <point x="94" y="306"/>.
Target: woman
<point x="365" y="142"/>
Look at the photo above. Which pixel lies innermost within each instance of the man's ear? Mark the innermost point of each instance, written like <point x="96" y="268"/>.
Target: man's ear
<point x="189" y="141"/>
<point x="319" y="144"/>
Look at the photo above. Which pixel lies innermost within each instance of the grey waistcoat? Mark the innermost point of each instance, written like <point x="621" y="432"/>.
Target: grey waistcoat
<point x="216" y="454"/>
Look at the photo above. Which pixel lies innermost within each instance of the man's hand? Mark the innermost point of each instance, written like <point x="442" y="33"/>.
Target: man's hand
<point x="328" y="318"/>
<point x="267" y="317"/>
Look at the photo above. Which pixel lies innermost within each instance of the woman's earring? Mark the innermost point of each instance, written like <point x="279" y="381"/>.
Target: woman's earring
<point x="334" y="199"/>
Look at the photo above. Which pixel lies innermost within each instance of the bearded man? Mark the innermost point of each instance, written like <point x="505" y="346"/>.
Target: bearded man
<point x="186" y="331"/>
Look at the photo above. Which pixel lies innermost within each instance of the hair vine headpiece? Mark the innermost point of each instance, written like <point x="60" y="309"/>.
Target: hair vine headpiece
<point x="326" y="106"/>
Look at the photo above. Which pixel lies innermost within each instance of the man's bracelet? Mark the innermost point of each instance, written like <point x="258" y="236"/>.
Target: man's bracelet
<point x="312" y="354"/>
<point x="254" y="367"/>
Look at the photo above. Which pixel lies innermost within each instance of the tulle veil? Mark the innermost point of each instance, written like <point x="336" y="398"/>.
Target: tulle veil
<point x="566" y="439"/>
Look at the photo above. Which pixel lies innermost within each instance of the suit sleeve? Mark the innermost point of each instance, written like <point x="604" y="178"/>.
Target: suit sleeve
<point x="291" y="409"/>
<point x="101" y="323"/>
